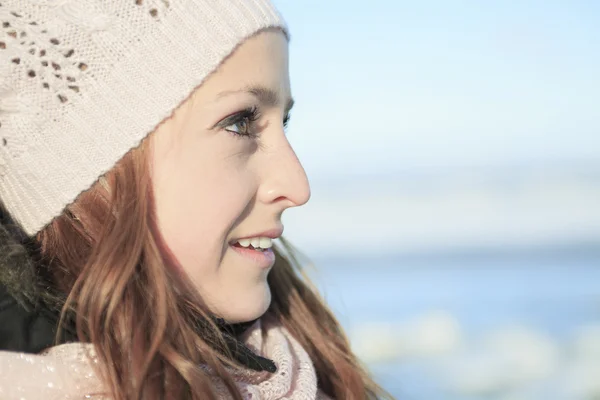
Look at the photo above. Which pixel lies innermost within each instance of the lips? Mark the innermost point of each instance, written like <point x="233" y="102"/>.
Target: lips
<point x="264" y="259"/>
<point x="273" y="233"/>
<point x="258" y="248"/>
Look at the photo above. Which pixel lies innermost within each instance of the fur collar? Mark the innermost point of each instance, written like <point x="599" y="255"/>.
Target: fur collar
<point x="18" y="274"/>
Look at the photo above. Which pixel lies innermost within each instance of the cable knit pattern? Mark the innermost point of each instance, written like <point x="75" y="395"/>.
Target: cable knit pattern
<point x="65" y="372"/>
<point x="84" y="81"/>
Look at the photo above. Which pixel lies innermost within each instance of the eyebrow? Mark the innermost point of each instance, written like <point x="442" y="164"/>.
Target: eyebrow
<point x="268" y="97"/>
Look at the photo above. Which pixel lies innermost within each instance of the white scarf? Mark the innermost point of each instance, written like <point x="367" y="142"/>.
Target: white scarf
<point x="65" y="372"/>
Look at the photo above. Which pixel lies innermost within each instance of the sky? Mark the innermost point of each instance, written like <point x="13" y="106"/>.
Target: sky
<point x="385" y="86"/>
<point x="436" y="124"/>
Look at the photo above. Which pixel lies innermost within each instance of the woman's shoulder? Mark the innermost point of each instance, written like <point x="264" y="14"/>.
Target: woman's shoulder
<point x="60" y="372"/>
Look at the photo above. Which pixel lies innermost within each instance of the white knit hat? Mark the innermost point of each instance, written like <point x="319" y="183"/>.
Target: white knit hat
<point x="84" y="81"/>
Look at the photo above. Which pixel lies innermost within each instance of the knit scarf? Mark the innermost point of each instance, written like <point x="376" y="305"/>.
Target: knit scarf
<point x="65" y="371"/>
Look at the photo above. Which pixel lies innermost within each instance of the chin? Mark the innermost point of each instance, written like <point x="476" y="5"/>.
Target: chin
<point x="248" y="306"/>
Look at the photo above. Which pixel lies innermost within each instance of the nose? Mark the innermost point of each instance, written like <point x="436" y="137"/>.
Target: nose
<point x="284" y="179"/>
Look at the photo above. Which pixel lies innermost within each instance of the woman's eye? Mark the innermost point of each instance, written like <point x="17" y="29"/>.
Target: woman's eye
<point x="240" y="127"/>
<point x="242" y="123"/>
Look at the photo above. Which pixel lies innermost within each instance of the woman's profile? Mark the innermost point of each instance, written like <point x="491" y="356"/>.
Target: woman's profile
<point x="144" y="171"/>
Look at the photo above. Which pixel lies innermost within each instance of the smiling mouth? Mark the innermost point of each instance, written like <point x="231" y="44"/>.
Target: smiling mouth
<point x="264" y="257"/>
<point x="259" y="243"/>
<point x="250" y="247"/>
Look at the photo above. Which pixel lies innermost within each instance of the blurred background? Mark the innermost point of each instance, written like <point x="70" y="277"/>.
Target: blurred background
<point x="453" y="149"/>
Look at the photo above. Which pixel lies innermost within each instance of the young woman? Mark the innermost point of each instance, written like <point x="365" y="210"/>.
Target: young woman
<point x="144" y="170"/>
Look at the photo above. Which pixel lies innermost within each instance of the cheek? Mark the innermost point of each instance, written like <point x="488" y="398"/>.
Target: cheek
<point x="197" y="204"/>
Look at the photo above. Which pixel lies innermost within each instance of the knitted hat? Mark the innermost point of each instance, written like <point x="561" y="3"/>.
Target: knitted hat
<point x="84" y="81"/>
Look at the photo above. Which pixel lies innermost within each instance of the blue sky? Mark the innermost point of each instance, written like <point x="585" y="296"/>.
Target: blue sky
<point x="392" y="85"/>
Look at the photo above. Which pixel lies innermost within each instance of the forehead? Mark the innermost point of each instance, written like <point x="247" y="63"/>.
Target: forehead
<point x="260" y="61"/>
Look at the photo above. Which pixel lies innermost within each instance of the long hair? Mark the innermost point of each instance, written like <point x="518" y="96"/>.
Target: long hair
<point x="142" y="317"/>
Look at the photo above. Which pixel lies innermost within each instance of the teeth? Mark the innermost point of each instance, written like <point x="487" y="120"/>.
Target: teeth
<point x="244" y="242"/>
<point x="257" y="242"/>
<point x="266" y="243"/>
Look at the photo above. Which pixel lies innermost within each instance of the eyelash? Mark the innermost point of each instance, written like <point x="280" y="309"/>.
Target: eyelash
<point x="248" y="116"/>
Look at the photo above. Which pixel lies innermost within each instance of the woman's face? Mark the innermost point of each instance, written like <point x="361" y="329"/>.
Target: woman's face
<point x="223" y="171"/>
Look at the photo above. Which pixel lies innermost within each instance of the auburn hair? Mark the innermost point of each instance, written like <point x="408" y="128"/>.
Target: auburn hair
<point x="104" y="252"/>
